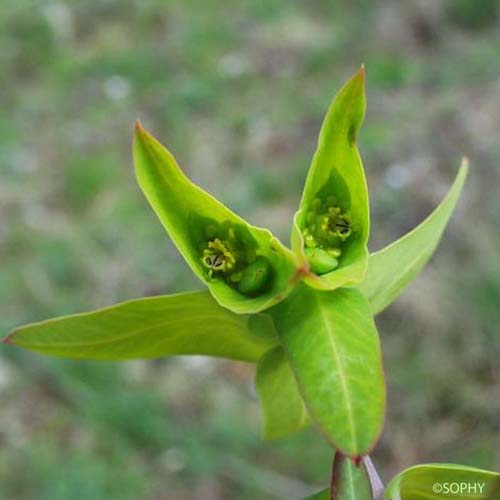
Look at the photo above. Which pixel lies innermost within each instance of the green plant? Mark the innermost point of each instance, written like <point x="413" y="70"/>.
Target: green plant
<point x="305" y="315"/>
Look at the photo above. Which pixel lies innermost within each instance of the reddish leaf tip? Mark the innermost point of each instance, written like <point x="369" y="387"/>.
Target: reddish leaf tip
<point x="356" y="82"/>
<point x="361" y="74"/>
<point x="139" y="129"/>
<point x="141" y="134"/>
<point x="7" y="339"/>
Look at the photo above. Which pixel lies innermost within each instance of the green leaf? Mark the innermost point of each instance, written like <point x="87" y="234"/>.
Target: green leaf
<point x="246" y="268"/>
<point x="350" y="482"/>
<point x="391" y="269"/>
<point x="334" y="213"/>
<point x="438" y="481"/>
<point x="321" y="495"/>
<point x="283" y="409"/>
<point x="187" y="323"/>
<point x="333" y="347"/>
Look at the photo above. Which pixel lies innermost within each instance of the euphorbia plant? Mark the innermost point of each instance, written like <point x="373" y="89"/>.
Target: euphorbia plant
<point x="305" y="315"/>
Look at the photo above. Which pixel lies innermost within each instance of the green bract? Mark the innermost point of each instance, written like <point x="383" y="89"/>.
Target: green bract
<point x="305" y="315"/>
<point x="246" y="268"/>
<point x="331" y="228"/>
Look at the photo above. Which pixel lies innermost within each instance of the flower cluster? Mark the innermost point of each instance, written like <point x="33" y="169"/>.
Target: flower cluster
<point x="229" y="256"/>
<point x="327" y="229"/>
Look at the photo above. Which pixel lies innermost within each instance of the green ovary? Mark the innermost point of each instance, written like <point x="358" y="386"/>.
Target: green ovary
<point x="327" y="229"/>
<point x="255" y="276"/>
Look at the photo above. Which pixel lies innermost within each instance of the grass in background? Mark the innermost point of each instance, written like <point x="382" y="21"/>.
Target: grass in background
<point x="237" y="91"/>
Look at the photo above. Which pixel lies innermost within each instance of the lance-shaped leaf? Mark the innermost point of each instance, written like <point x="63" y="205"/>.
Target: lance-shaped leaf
<point x="438" y="481"/>
<point x="283" y="409"/>
<point x="187" y="323"/>
<point x="332" y="225"/>
<point x="333" y="348"/>
<point x="246" y="268"/>
<point x="350" y="481"/>
<point x="391" y="269"/>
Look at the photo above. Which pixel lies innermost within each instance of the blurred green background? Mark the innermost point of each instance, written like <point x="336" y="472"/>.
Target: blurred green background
<point x="237" y="90"/>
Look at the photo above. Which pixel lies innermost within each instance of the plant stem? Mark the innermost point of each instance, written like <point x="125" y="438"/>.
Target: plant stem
<point x="337" y="457"/>
<point x="376" y="484"/>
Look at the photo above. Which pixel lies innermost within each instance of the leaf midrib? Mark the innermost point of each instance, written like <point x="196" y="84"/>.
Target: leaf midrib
<point x="338" y="360"/>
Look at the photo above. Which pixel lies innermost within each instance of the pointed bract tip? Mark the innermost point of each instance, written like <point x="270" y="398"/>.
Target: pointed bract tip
<point x="361" y="74"/>
<point x="140" y="133"/>
<point x="464" y="166"/>
<point x="357" y="80"/>
<point x="7" y="339"/>
<point x="138" y="127"/>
